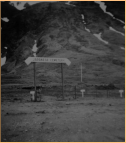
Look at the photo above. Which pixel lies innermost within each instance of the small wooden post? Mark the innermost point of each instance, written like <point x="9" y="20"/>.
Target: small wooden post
<point x="35" y="81"/>
<point x="62" y="81"/>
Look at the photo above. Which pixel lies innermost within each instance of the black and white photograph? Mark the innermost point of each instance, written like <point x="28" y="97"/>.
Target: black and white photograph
<point x="62" y="71"/>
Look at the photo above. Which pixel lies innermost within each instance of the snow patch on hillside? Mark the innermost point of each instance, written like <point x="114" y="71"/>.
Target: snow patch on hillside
<point x="103" y="7"/>
<point x="112" y="29"/>
<point x="34" y="49"/>
<point x="119" y="20"/>
<point x="69" y="3"/>
<point x="5" y="19"/>
<point x="34" y="54"/>
<point x="99" y="37"/>
<point x="3" y="61"/>
<point x="88" y="30"/>
<point x="83" y="18"/>
<point x="20" y="5"/>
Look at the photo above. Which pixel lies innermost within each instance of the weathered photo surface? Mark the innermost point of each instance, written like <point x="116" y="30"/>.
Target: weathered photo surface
<point x="63" y="71"/>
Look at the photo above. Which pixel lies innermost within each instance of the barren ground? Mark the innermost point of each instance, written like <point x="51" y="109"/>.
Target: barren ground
<point x="90" y="119"/>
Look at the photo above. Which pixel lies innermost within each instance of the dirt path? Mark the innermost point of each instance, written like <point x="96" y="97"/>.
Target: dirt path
<point x="81" y="120"/>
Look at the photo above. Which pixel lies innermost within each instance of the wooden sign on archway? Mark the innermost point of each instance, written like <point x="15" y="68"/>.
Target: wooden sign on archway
<point x="47" y="60"/>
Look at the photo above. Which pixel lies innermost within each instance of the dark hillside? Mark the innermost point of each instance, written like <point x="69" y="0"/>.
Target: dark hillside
<point x="61" y="31"/>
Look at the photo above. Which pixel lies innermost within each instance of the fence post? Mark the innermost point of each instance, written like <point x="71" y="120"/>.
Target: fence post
<point x="35" y="81"/>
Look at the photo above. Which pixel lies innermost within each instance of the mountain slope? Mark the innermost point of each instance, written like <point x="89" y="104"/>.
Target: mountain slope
<point x="68" y="31"/>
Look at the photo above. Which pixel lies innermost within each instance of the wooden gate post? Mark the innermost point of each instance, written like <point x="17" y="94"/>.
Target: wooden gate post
<point x="35" y="81"/>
